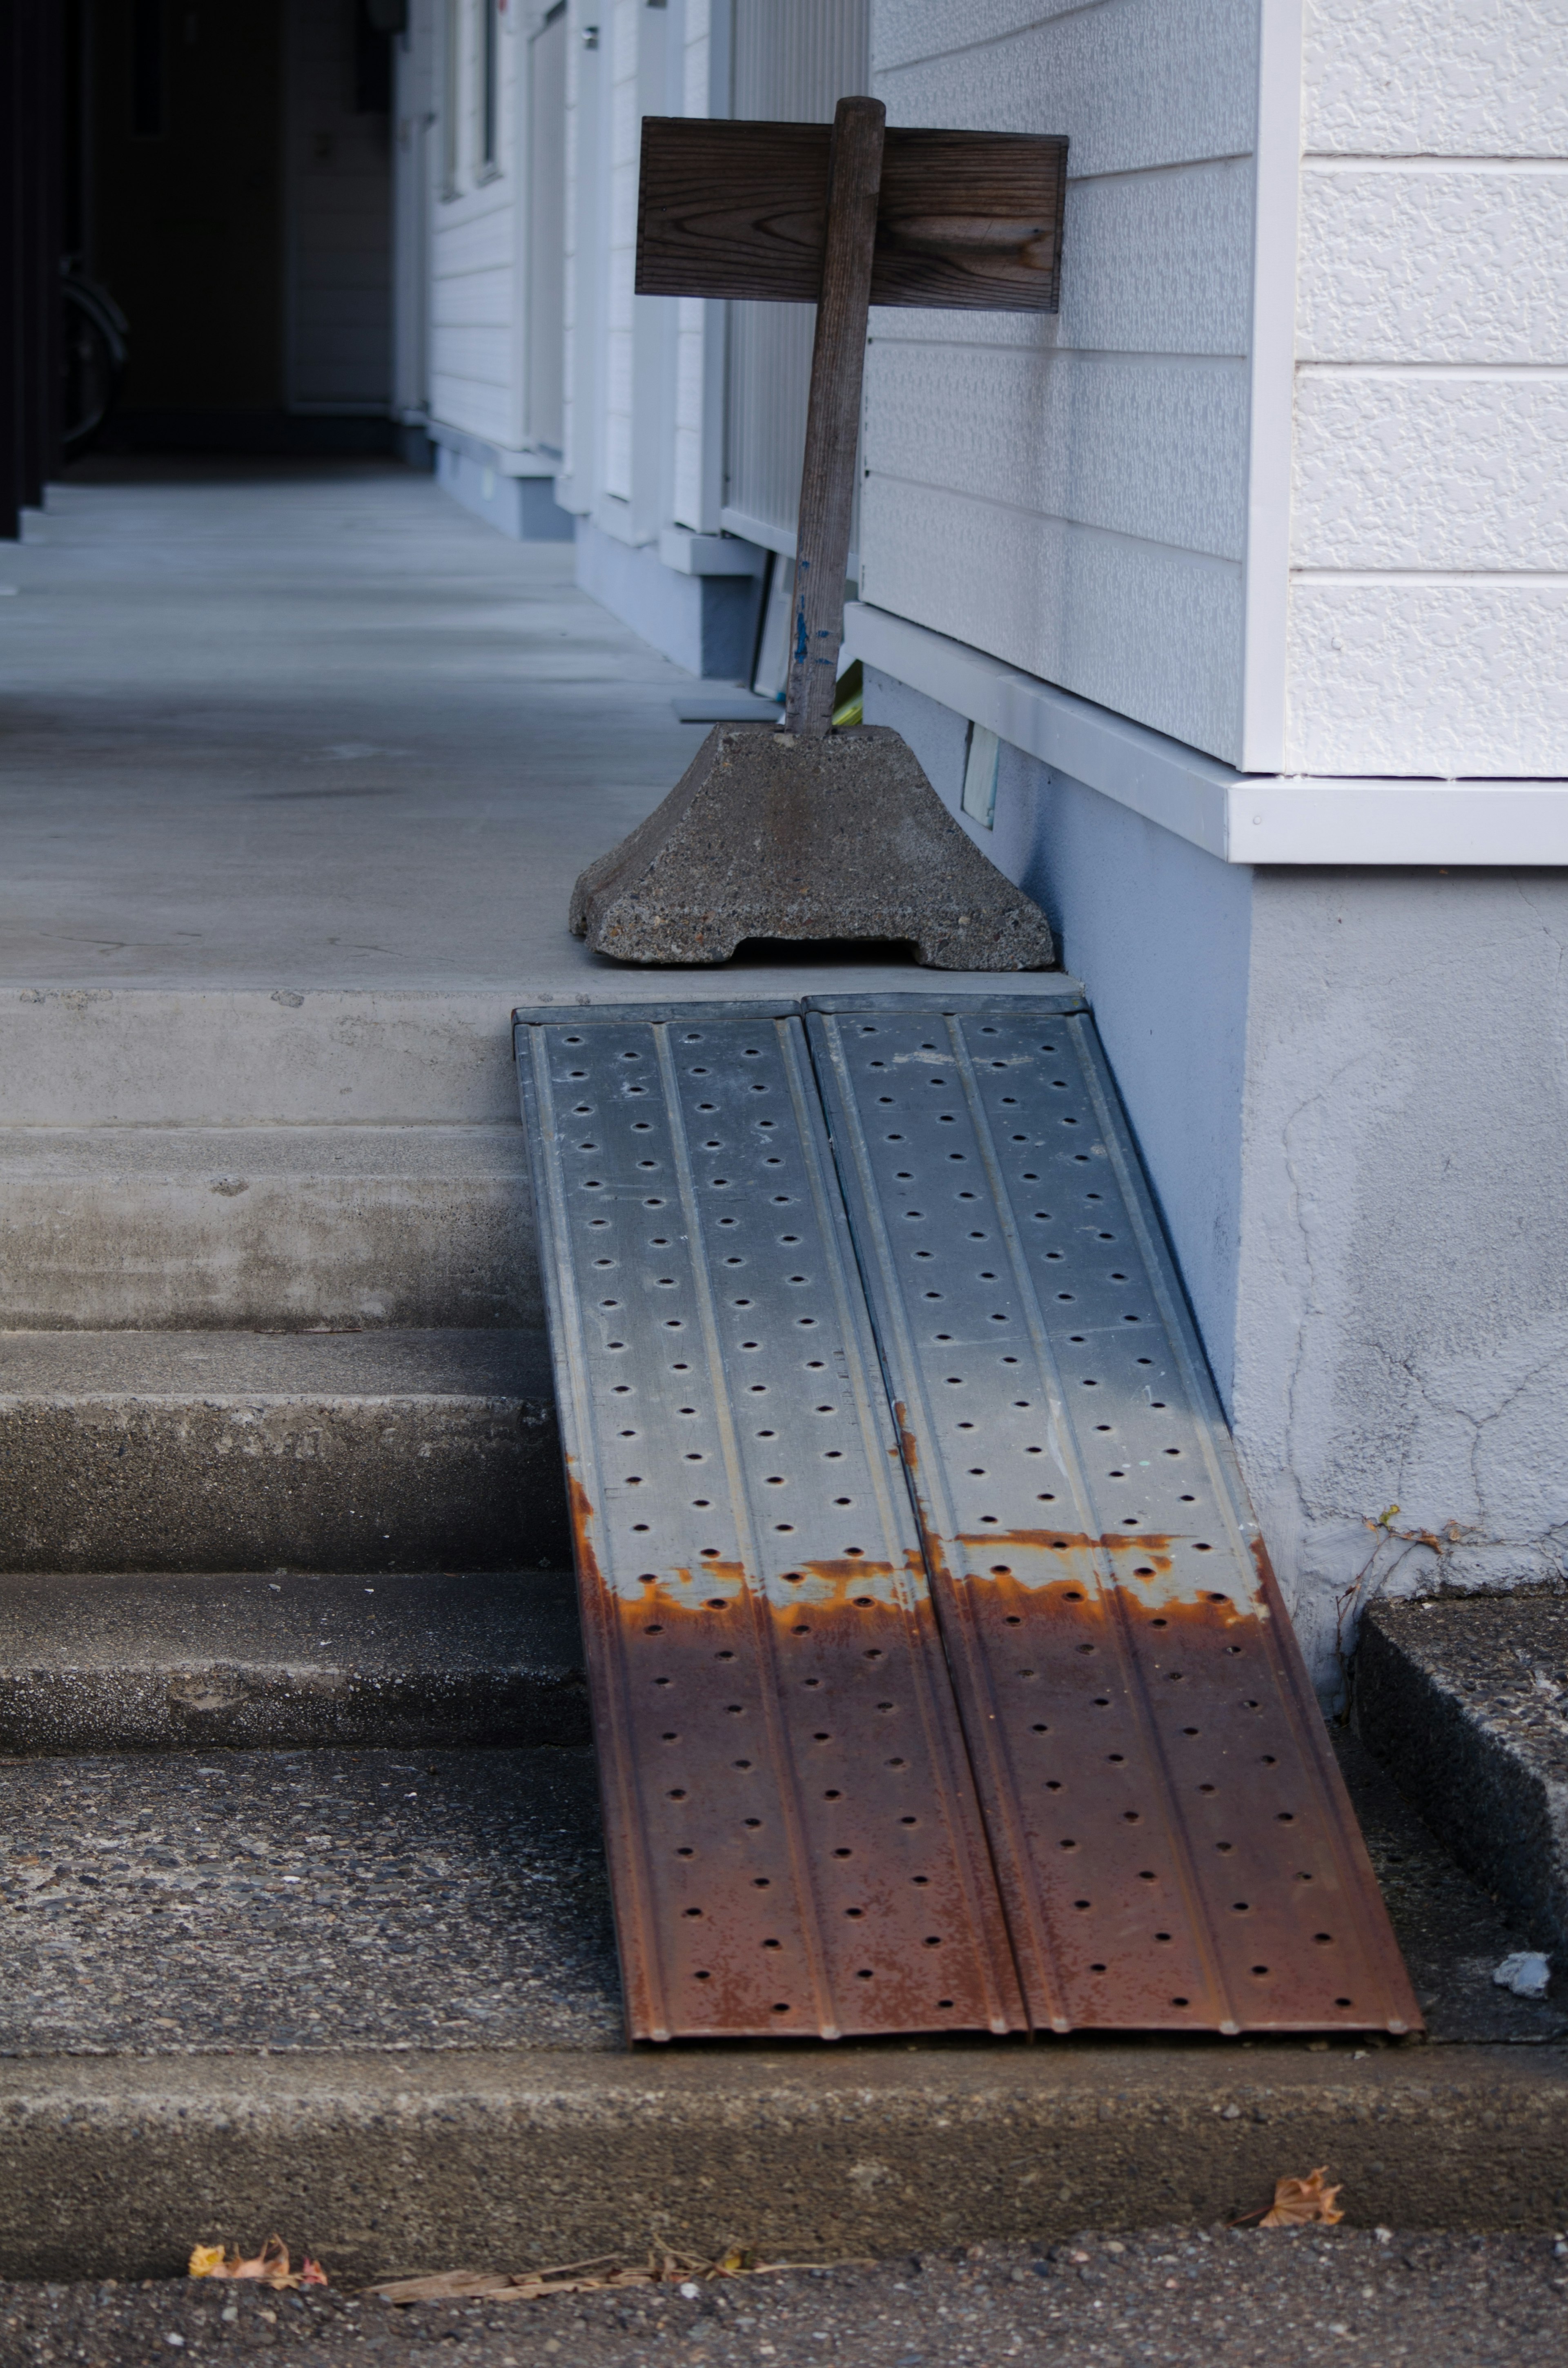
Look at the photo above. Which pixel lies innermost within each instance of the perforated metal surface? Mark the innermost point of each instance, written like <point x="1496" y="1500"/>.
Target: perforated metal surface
<point x="794" y="1839"/>
<point x="1174" y="1844"/>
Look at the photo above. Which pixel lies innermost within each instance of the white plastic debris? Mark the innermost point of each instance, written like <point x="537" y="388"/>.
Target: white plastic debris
<point x="689" y="2291"/>
<point x="1526" y="1974"/>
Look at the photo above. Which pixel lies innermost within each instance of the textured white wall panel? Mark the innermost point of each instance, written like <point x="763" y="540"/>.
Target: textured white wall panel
<point x="1130" y="85"/>
<point x="1160" y="262"/>
<point x="1411" y="470"/>
<point x="907" y="29"/>
<point x="1436" y="77"/>
<point x="1440" y="677"/>
<point x="1150" y="632"/>
<point x="1155" y="448"/>
<point x="1434" y="263"/>
<point x="1156" y="263"/>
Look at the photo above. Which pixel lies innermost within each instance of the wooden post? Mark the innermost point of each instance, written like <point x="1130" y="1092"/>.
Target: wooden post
<point x="833" y="418"/>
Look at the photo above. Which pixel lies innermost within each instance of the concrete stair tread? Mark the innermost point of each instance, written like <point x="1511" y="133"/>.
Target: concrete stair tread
<point x="189" y="1904"/>
<point x="1465" y="1699"/>
<point x="247" y="1368"/>
<point x="132" y="1880"/>
<point x="157" y="1662"/>
<point x="355" y="1451"/>
<point x="373" y="1994"/>
<point x="261" y="1227"/>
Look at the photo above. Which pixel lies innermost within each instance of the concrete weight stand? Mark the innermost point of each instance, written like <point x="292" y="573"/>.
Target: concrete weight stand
<point x="806" y="833"/>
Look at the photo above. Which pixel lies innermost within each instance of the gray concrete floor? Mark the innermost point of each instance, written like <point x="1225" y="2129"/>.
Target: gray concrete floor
<point x="305" y="723"/>
<point x="309" y="725"/>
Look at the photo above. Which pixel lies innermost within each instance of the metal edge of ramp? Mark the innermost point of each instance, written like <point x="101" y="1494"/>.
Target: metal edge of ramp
<point x="1174" y="1847"/>
<point x="794" y="1840"/>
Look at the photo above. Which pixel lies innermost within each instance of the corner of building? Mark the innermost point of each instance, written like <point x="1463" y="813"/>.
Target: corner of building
<point x="706" y="622"/>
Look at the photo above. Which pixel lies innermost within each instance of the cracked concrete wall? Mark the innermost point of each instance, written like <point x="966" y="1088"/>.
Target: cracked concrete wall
<point x="1401" y="1310"/>
<point x="1350" y="1090"/>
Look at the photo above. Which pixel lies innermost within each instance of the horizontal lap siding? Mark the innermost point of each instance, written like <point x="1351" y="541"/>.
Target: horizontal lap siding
<point x="475" y="352"/>
<point x="1429" y="536"/>
<point x="1140" y="627"/>
<point x="1070" y="493"/>
<point x="791" y="65"/>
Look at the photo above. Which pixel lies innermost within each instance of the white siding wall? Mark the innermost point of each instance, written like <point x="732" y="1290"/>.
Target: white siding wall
<point x="695" y="488"/>
<point x="575" y="484"/>
<point x="1429" y="604"/>
<point x="475" y="310"/>
<point x="1070" y="493"/>
<point x="622" y="27"/>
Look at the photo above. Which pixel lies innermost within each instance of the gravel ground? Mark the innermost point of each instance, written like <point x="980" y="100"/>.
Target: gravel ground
<point x="1190" y="2298"/>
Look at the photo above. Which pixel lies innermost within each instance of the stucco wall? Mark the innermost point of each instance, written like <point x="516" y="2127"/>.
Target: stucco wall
<point x="1350" y="1089"/>
<point x="1429" y="606"/>
<point x="1402" y="1315"/>
<point x="1070" y="493"/>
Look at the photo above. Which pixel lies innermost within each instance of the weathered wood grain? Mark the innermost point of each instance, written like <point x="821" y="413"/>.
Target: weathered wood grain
<point x="966" y="220"/>
<point x="833" y="418"/>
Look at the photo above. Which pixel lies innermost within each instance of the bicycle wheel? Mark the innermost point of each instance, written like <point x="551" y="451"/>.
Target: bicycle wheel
<point x="93" y="359"/>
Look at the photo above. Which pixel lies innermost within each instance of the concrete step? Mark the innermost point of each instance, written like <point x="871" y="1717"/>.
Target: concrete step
<point x="266" y="1228"/>
<point x="1465" y="1700"/>
<point x="371" y="1997"/>
<point x="150" y="1663"/>
<point x="377" y="1451"/>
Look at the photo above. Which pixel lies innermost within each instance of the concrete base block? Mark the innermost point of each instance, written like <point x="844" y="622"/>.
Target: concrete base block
<point x="770" y="836"/>
<point x="213" y="1451"/>
<point x="1466" y="1703"/>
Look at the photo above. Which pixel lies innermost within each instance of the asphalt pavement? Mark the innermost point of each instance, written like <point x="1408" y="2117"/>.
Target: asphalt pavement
<point x="1169" y="2298"/>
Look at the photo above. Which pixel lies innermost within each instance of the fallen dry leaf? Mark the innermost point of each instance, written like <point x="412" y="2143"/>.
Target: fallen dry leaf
<point x="606" y="2271"/>
<point x="270" y="2266"/>
<point x="1297" y="2201"/>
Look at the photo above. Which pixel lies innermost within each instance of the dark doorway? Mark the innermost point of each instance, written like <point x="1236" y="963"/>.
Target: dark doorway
<point x="236" y="202"/>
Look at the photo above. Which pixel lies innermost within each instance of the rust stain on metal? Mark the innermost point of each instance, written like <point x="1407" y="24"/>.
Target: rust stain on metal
<point x="806" y="1839"/>
<point x="1173" y="1852"/>
<point x="1172" y="1839"/>
<point x="1153" y="1544"/>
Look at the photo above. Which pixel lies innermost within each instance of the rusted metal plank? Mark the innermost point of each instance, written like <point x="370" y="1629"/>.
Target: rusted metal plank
<point x="794" y="1842"/>
<point x="1174" y="1848"/>
<point x="965" y="219"/>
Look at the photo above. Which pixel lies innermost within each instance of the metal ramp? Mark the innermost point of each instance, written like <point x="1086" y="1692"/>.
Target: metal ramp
<point x="938" y="1678"/>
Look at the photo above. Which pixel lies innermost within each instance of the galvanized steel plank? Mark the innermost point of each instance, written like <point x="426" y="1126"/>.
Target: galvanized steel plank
<point x="1174" y="1847"/>
<point x="794" y="1840"/>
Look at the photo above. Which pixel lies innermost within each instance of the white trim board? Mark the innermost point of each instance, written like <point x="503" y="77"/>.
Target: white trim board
<point x="1240" y="817"/>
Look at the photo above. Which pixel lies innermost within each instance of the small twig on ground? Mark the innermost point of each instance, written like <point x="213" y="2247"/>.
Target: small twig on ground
<point x="605" y="2271"/>
<point x="1349" y="1603"/>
